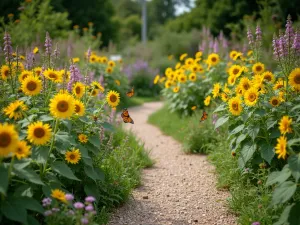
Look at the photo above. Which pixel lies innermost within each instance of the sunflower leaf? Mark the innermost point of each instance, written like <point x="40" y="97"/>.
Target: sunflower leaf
<point x="62" y="169"/>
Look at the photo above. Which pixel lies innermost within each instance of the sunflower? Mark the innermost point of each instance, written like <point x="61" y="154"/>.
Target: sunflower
<point x="76" y="60"/>
<point x="279" y="84"/>
<point x="192" y="77"/>
<point x="35" y="50"/>
<point x="239" y="90"/>
<point x="98" y="86"/>
<point x="118" y="82"/>
<point x="79" y="107"/>
<point x="59" y="195"/>
<point x="39" y="133"/>
<point x="156" y="79"/>
<point x="285" y="125"/>
<point x="268" y="76"/>
<point x="23" y="150"/>
<point x="176" y="89"/>
<point x="111" y="63"/>
<point x="245" y="83"/>
<point x="17" y="66"/>
<point x="258" y="68"/>
<point x="275" y="101"/>
<point x="235" y="106"/>
<point x="24" y="74"/>
<point x="38" y="71"/>
<point x="53" y="75"/>
<point x="207" y="100"/>
<point x="235" y="70"/>
<point x="280" y="148"/>
<point x="213" y="59"/>
<point x="168" y="71"/>
<point x="109" y="70"/>
<point x="294" y="79"/>
<point x="83" y="138"/>
<point x="251" y="96"/>
<point x="231" y="80"/>
<point x="78" y="89"/>
<point x="232" y="54"/>
<point x="93" y="59"/>
<point x="93" y="92"/>
<point x="198" y="54"/>
<point x="73" y="156"/>
<point x="194" y="108"/>
<point x="168" y="84"/>
<point x="113" y="98"/>
<point x="182" y="78"/>
<point x="65" y="75"/>
<point x="238" y="55"/>
<point x="224" y="97"/>
<point x="249" y="53"/>
<point x="4" y="72"/>
<point x="161" y="80"/>
<point x="31" y="85"/>
<point x="177" y="65"/>
<point x="62" y="106"/>
<point x="15" y="109"/>
<point x="189" y="62"/>
<point x="216" y="90"/>
<point x="8" y="139"/>
<point x="194" y="68"/>
<point x="183" y="56"/>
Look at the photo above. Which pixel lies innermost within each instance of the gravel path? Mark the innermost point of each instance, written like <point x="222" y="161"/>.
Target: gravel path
<point x="179" y="189"/>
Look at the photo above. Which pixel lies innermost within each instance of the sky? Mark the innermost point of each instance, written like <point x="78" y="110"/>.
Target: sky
<point x="182" y="9"/>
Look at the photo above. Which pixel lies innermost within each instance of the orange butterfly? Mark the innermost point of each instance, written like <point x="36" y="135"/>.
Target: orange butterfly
<point x="130" y="93"/>
<point x="126" y="117"/>
<point x="204" y="116"/>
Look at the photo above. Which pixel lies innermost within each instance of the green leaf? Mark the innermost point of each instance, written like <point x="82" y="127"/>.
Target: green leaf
<point x="30" y="175"/>
<point x="32" y="221"/>
<point x="92" y="190"/>
<point x="62" y="169"/>
<point x="21" y="164"/>
<point x="100" y="173"/>
<point x="284" y="216"/>
<point x="294" y="217"/>
<point x="95" y="140"/>
<point x="279" y="176"/>
<point x="266" y="152"/>
<point x="294" y="163"/>
<point x="107" y="126"/>
<point x="220" y="108"/>
<point x="46" y="118"/>
<point x="284" y="192"/>
<point x="40" y="154"/>
<point x="247" y="152"/>
<point x="90" y="172"/>
<point x="221" y="121"/>
<point x="85" y="156"/>
<point x="240" y="139"/>
<point x="4" y="179"/>
<point x="253" y="131"/>
<point x="12" y="210"/>
<point x="275" y="133"/>
<point x="23" y="190"/>
<point x="237" y="129"/>
<point x="31" y="204"/>
<point x="67" y="124"/>
<point x="292" y="142"/>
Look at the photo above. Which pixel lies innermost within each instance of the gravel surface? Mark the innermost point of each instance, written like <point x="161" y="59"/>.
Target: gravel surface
<point x="179" y="189"/>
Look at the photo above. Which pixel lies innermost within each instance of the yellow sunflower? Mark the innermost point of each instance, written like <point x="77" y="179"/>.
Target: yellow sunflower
<point x="104" y="59"/>
<point x="94" y="92"/>
<point x="231" y="80"/>
<point x="232" y="54"/>
<point x="192" y="77"/>
<point x="17" y="66"/>
<point x="98" y="86"/>
<point x="189" y="62"/>
<point x="238" y="55"/>
<point x="118" y="82"/>
<point x="93" y="59"/>
<point x="176" y="89"/>
<point x="4" y="72"/>
<point x="194" y="68"/>
<point x="38" y="71"/>
<point x="239" y="90"/>
<point x="194" y="108"/>
<point x="168" y="84"/>
<point x="251" y="96"/>
<point x="182" y="78"/>
<point x="78" y="89"/>
<point x="76" y="60"/>
<point x="31" y="85"/>
<point x="156" y="79"/>
<point x="177" y="66"/>
<point x="235" y="70"/>
<point x="198" y="55"/>
<point x="113" y="98"/>
<point x="15" y="109"/>
<point x="53" y="75"/>
<point x="24" y="74"/>
<point x="213" y="59"/>
<point x="224" y="97"/>
<point x="183" y="56"/>
<point x="294" y="79"/>
<point x="111" y="63"/>
<point x="245" y="83"/>
<point x="83" y="138"/>
<point x="207" y="100"/>
<point x="268" y="76"/>
<point x="62" y="106"/>
<point x="39" y="133"/>
<point x="35" y="50"/>
<point x="279" y="84"/>
<point x="235" y="106"/>
<point x="249" y="53"/>
<point x="59" y="195"/>
<point x="168" y="71"/>
<point x="275" y="101"/>
<point x="8" y="139"/>
<point x="109" y="70"/>
<point x="285" y="125"/>
<point x="23" y="150"/>
<point x="258" y="68"/>
<point x="280" y="148"/>
<point x="73" y="156"/>
<point x="79" y="107"/>
<point x="216" y="90"/>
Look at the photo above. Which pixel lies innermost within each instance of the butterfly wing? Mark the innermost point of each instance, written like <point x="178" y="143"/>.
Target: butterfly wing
<point x="130" y="93"/>
<point x="125" y="116"/>
<point x="204" y="116"/>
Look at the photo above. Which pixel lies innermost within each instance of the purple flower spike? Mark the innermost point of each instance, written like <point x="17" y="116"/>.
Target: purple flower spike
<point x="46" y="201"/>
<point x="296" y="43"/>
<point x="56" y="52"/>
<point x="90" y="199"/>
<point x="276" y="48"/>
<point x="255" y="223"/>
<point x="89" y="208"/>
<point x="75" y="76"/>
<point x="216" y="46"/>
<point x="47" y="213"/>
<point x="7" y="47"/>
<point x="258" y="33"/>
<point x="289" y="32"/>
<point x="282" y="46"/>
<point x="250" y="36"/>
<point x="69" y="197"/>
<point x="48" y="43"/>
<point x="84" y="221"/>
<point x="78" y="205"/>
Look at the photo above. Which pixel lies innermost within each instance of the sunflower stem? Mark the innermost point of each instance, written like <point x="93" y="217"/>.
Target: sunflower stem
<point x="51" y="145"/>
<point x="10" y="167"/>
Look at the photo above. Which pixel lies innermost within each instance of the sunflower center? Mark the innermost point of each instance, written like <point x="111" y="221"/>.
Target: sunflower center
<point x="213" y="59"/>
<point x="77" y="90"/>
<point x="113" y="98"/>
<point x="39" y="132"/>
<point x="24" y="76"/>
<point x="53" y="76"/>
<point x="246" y="86"/>
<point x="31" y="85"/>
<point x="6" y="72"/>
<point x="252" y="97"/>
<point x="235" y="71"/>
<point x="275" y="102"/>
<point x="5" y="139"/>
<point x="235" y="106"/>
<point x="62" y="106"/>
<point x="268" y="77"/>
<point x="72" y="156"/>
<point x="258" y="68"/>
<point x="297" y="79"/>
<point x="20" y="150"/>
<point x="77" y="108"/>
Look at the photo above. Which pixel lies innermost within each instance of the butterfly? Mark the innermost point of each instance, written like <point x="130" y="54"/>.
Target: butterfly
<point x="126" y="117"/>
<point x="130" y="93"/>
<point x="204" y="116"/>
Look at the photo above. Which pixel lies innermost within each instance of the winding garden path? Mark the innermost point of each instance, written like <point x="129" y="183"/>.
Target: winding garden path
<point x="179" y="189"/>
